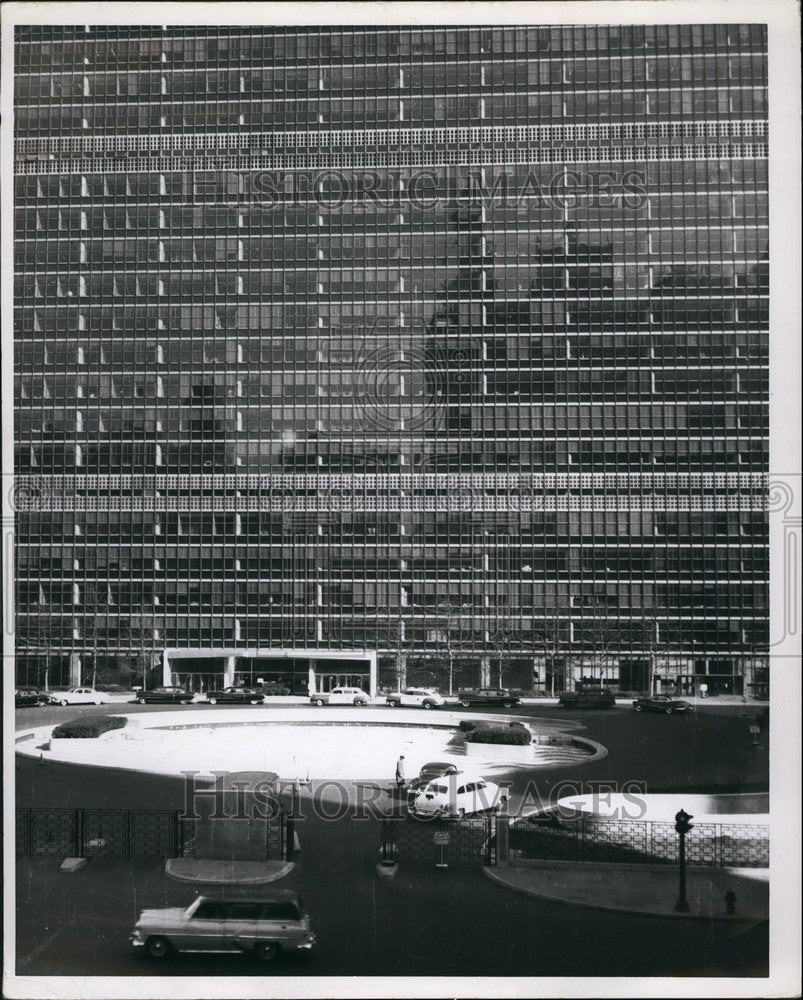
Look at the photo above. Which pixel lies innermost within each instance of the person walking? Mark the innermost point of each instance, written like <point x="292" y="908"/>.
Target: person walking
<point x="400" y="778"/>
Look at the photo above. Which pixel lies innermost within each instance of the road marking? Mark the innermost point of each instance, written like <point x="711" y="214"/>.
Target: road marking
<point x="37" y="951"/>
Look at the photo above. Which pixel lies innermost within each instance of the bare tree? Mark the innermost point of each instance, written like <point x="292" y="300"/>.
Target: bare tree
<point x="447" y="642"/>
<point x="601" y="635"/>
<point x="501" y="637"/>
<point x="652" y="643"/>
<point x="42" y="635"/>
<point x="551" y="639"/>
<point x="400" y="644"/>
<point x="96" y="606"/>
<point x="140" y="637"/>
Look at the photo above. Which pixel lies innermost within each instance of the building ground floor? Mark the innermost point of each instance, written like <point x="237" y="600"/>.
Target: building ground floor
<point x="689" y="675"/>
<point x="306" y="671"/>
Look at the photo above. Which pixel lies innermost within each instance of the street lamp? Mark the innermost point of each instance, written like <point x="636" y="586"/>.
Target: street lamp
<point x="682" y="825"/>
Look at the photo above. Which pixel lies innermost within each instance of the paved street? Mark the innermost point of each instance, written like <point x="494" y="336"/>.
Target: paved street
<point x="425" y="922"/>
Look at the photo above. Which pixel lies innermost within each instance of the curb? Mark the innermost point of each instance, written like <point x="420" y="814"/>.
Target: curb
<point x="226" y="873"/>
<point x="739" y="919"/>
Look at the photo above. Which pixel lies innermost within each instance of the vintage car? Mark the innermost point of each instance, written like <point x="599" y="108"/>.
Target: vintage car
<point x="236" y="696"/>
<point x="589" y="698"/>
<point x="258" y="923"/>
<point x="488" y="696"/>
<point x="25" y="697"/>
<point x="459" y="794"/>
<point x="415" y="697"/>
<point x="661" y="703"/>
<point x="433" y="769"/>
<point x="165" y="696"/>
<point x="341" y="696"/>
<point x="78" y="696"/>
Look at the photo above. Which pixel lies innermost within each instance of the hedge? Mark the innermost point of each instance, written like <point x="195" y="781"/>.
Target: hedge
<point x="90" y="727"/>
<point x="484" y="731"/>
<point x="468" y="725"/>
<point x="510" y="735"/>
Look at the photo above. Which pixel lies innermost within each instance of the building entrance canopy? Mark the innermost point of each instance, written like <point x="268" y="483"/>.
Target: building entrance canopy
<point x="303" y="672"/>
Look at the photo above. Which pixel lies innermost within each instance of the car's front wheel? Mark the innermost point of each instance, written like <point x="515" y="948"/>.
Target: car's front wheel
<point x="668" y="711"/>
<point x="266" y="951"/>
<point x="255" y="701"/>
<point x="318" y="701"/>
<point x="140" y="701"/>
<point x="212" y="701"/>
<point x="508" y="704"/>
<point x="638" y="708"/>
<point x="157" y="947"/>
<point x="465" y="703"/>
<point x="429" y="704"/>
<point x="64" y="702"/>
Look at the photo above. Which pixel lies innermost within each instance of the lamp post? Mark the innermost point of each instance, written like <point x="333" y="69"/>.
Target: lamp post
<point x="682" y="825"/>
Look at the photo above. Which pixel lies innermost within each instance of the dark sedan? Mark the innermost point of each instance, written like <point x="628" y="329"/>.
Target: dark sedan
<point x="591" y="698"/>
<point x="661" y="703"/>
<point x="27" y="697"/>
<point x="488" y="696"/>
<point x="236" y="696"/>
<point x="434" y="769"/>
<point x="165" y="696"/>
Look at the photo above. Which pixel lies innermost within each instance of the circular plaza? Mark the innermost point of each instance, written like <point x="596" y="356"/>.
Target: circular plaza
<point x="306" y="743"/>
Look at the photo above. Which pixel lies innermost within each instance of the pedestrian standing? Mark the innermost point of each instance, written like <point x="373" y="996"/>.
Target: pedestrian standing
<point x="400" y="779"/>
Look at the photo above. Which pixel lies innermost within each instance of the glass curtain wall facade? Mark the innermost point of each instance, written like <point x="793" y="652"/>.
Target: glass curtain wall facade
<point x="446" y="343"/>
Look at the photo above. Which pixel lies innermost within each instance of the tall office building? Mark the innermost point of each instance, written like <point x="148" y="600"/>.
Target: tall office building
<point x="444" y="348"/>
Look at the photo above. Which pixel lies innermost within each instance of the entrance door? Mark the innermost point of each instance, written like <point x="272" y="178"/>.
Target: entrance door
<point x="198" y="683"/>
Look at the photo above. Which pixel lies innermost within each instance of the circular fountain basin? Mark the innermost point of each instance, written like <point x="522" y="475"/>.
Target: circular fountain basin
<point x="314" y="743"/>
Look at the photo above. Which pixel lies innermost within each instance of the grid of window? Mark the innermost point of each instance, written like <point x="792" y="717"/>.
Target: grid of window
<point x="448" y="343"/>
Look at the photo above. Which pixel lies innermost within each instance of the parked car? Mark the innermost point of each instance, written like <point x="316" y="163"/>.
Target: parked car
<point x="341" y="696"/>
<point x="594" y="698"/>
<point x="262" y="924"/>
<point x="25" y="697"/>
<point x="236" y="696"/>
<point x="78" y="696"/>
<point x="459" y="794"/>
<point x="434" y="769"/>
<point x="488" y="696"/>
<point x="165" y="696"/>
<point x="661" y="703"/>
<point x="415" y="697"/>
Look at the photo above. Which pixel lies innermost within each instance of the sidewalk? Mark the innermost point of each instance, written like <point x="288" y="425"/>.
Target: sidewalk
<point x="732" y="700"/>
<point x="650" y="890"/>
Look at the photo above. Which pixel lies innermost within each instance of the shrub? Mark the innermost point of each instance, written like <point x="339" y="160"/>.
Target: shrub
<point x="509" y="735"/>
<point x="466" y="725"/>
<point x="90" y="727"/>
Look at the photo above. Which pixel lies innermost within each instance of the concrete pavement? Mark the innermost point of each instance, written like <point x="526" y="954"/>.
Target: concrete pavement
<point x="649" y="890"/>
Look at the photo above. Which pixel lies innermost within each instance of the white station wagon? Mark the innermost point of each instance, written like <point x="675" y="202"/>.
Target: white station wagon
<point x="458" y="795"/>
<point x="259" y="923"/>
<point x="341" y="696"/>
<point x="416" y="698"/>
